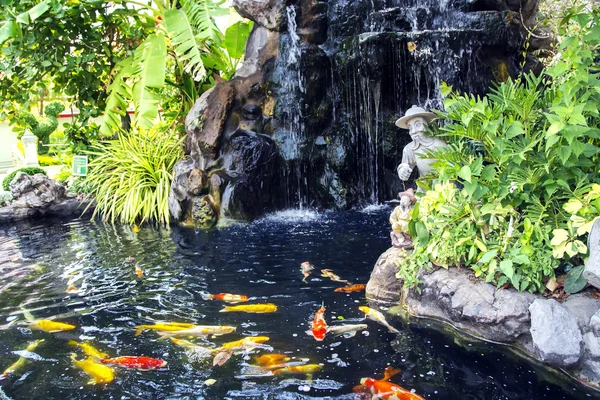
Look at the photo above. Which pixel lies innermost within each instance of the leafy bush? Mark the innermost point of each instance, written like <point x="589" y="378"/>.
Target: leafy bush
<point x="48" y="160"/>
<point x="5" y="198"/>
<point x="63" y="175"/>
<point x="524" y="161"/>
<point x="130" y="178"/>
<point x="28" y="170"/>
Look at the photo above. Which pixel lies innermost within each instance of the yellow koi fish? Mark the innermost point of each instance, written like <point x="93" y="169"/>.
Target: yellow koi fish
<point x="300" y="369"/>
<point x="271" y="359"/>
<point x="244" y="344"/>
<point x="200" y="330"/>
<point x="99" y="373"/>
<point x="163" y="327"/>
<point x="376" y="316"/>
<point x="49" y="326"/>
<point x="20" y="363"/>
<point x="252" y="308"/>
<point x="88" y="349"/>
<point x="327" y="273"/>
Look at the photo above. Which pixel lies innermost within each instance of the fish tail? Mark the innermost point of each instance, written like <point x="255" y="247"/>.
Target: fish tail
<point x="392" y="329"/>
<point x="390" y="372"/>
<point x="139" y="330"/>
<point x="28" y="316"/>
<point x="226" y="309"/>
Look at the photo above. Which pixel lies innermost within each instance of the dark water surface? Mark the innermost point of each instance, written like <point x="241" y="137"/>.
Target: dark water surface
<point x="261" y="260"/>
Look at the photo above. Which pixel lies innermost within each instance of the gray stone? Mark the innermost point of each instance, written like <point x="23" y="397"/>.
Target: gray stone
<point x="35" y="191"/>
<point x="592" y="267"/>
<point x="268" y="13"/>
<point x="595" y="323"/>
<point x="589" y="366"/>
<point x="383" y="284"/>
<point x="471" y="305"/>
<point x="583" y="307"/>
<point x="556" y="336"/>
<point x="258" y="39"/>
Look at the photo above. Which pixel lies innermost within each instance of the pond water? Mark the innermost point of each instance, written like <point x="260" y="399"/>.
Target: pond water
<point x="39" y="260"/>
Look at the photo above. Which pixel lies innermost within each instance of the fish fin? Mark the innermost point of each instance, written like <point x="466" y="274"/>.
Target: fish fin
<point x="348" y="335"/>
<point x="226" y="309"/>
<point x="309" y="332"/>
<point x="389" y="372"/>
<point x="72" y="343"/>
<point x="28" y="316"/>
<point x="164" y="335"/>
<point x="309" y="377"/>
<point x="392" y="329"/>
<point x="138" y="331"/>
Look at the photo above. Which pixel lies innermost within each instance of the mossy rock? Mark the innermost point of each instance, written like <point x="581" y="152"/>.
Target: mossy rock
<point x="28" y="170"/>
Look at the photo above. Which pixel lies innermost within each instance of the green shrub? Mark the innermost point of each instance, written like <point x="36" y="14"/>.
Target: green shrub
<point x="63" y="175"/>
<point x="130" y="177"/>
<point x="519" y="180"/>
<point x="28" y="170"/>
<point x="48" y="160"/>
<point x="5" y="198"/>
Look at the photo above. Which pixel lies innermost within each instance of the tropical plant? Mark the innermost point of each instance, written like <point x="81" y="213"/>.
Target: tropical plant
<point x="28" y="170"/>
<point x="130" y="177"/>
<point x="524" y="160"/>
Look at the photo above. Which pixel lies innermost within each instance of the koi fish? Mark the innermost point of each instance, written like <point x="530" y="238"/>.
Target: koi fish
<point x="46" y="325"/>
<point x="89" y="350"/>
<point x="136" y="228"/>
<point x="244" y="344"/>
<point x="98" y="372"/>
<point x="299" y="369"/>
<point x="200" y="330"/>
<point x="362" y="390"/>
<point x="349" y="289"/>
<point x="267" y="360"/>
<point x="142" y="363"/>
<point x="49" y="326"/>
<point x="163" y="327"/>
<point x="252" y="308"/>
<point x="329" y="274"/>
<point x="376" y="316"/>
<point x="226" y="297"/>
<point x="380" y="389"/>
<point x="71" y="288"/>
<point x="319" y="326"/>
<point x="194" y="352"/>
<point x="346" y="331"/>
<point x="305" y="268"/>
<point x="139" y="271"/>
<point x="20" y="363"/>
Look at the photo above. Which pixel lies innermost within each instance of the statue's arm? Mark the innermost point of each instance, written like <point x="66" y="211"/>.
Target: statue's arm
<point x="408" y="163"/>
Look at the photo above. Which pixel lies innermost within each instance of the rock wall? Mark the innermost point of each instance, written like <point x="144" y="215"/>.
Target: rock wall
<point x="308" y="119"/>
<point x="563" y="335"/>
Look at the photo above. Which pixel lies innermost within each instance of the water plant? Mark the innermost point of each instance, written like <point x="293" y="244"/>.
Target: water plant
<point x="130" y="177"/>
<point x="520" y="174"/>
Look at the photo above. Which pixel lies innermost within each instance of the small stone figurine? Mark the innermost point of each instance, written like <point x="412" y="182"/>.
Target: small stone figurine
<point x="416" y="120"/>
<point x="400" y="218"/>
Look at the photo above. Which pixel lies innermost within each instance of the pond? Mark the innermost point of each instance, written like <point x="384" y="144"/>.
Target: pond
<point x="96" y="263"/>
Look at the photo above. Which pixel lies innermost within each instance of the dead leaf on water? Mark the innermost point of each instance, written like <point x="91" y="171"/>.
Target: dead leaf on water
<point x="222" y="357"/>
<point x="412" y="46"/>
<point x="210" y="382"/>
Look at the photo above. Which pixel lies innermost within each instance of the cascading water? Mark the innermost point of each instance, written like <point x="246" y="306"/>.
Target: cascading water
<point x="290" y="133"/>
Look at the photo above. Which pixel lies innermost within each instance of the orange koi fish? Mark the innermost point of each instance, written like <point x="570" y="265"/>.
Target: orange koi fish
<point x="143" y="363"/>
<point x="381" y="389"/>
<point x="327" y="273"/>
<point x="139" y="271"/>
<point x="362" y="390"/>
<point x="305" y="268"/>
<point x="349" y="289"/>
<point x="319" y="326"/>
<point x="226" y="297"/>
<point x="71" y="288"/>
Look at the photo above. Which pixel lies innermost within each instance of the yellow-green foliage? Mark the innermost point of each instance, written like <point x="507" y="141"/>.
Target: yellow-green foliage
<point x="130" y="177"/>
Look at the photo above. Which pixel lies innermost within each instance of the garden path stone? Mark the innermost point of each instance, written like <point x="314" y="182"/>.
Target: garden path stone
<point x="556" y="336"/>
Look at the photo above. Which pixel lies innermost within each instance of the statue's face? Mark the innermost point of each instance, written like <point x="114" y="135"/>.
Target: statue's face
<point x="416" y="128"/>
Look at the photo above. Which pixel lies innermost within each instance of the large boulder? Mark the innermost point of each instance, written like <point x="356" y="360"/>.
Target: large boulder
<point x="267" y="13"/>
<point x="592" y="267"/>
<point x="555" y="332"/>
<point x="472" y="305"/>
<point x="383" y="284"/>
<point x="36" y="191"/>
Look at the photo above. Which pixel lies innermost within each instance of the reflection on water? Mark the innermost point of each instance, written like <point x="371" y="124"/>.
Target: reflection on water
<point x="84" y="274"/>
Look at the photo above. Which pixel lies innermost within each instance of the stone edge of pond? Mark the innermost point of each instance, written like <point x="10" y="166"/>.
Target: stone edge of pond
<point x="563" y="336"/>
<point x="69" y="208"/>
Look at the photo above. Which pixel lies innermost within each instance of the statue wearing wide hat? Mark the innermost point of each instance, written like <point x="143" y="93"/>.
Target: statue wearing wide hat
<point x="416" y="120"/>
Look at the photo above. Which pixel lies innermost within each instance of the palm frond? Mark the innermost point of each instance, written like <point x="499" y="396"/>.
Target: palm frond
<point x="119" y="94"/>
<point x="200" y="14"/>
<point x="183" y="38"/>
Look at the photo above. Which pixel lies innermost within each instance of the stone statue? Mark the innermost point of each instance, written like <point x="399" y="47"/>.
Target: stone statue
<point x="416" y="120"/>
<point x="400" y="218"/>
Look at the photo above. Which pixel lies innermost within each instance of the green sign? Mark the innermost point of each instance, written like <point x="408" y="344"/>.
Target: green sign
<point x="80" y="165"/>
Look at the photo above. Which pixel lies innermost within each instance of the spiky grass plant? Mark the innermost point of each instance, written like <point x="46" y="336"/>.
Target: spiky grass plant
<point x="130" y="177"/>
